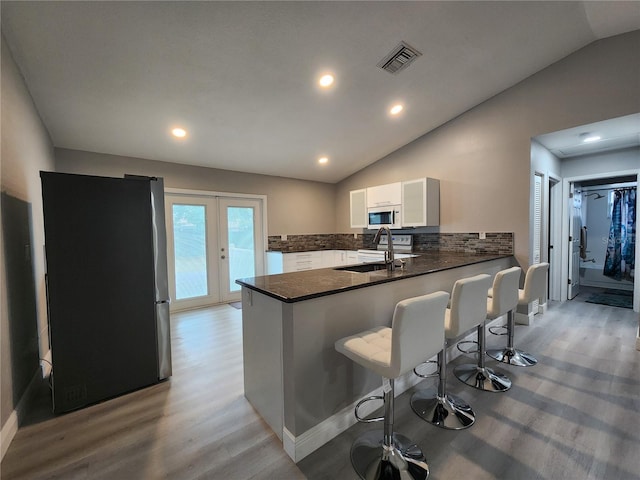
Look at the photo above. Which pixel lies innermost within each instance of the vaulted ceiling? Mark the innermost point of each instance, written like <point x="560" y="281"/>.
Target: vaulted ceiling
<point x="241" y="77"/>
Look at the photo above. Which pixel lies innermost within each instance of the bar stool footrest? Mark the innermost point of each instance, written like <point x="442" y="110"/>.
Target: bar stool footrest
<point x="464" y="342"/>
<point x="363" y="401"/>
<point x="426" y="375"/>
<point x="495" y="330"/>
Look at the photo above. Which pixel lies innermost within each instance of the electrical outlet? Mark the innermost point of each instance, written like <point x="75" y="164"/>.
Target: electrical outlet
<point x="482" y="235"/>
<point x="283" y="238"/>
<point x="355" y="235"/>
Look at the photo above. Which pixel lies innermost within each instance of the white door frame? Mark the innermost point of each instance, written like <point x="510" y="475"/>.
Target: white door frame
<point x="565" y="230"/>
<point x="554" y="223"/>
<point x="185" y="193"/>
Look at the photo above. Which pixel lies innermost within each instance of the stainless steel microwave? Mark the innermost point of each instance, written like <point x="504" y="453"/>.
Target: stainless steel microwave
<point x="389" y="216"/>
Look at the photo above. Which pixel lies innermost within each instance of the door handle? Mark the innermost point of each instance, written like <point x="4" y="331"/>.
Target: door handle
<point x="222" y="257"/>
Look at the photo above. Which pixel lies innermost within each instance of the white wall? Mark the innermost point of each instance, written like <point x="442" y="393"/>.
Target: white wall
<point x="26" y="149"/>
<point x="483" y="157"/>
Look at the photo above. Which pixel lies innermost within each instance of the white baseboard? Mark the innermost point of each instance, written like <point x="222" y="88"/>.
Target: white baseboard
<point x="524" y="318"/>
<point x="9" y="430"/>
<point x="10" y="427"/>
<point x="542" y="308"/>
<point x="302" y="445"/>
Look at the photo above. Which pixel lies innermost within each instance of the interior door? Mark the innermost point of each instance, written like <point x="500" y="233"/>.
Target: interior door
<point x="574" y="240"/>
<point x="240" y="245"/>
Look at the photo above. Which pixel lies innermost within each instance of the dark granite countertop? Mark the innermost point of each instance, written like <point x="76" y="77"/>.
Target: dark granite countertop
<point x="298" y="286"/>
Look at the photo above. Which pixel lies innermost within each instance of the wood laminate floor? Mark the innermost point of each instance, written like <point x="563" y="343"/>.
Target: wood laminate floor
<point x="576" y="415"/>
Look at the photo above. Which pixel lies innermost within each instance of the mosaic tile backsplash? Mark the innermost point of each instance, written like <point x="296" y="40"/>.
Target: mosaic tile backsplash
<point x="494" y="243"/>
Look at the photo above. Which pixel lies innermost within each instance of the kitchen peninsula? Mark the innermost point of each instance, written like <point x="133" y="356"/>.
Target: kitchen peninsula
<point x="293" y="376"/>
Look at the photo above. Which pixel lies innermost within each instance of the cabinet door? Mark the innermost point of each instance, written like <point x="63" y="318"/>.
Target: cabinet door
<point x="358" y="203"/>
<point x="300" y="261"/>
<point x="421" y="202"/>
<point x="334" y="258"/>
<point x="383" y="195"/>
<point x="414" y="203"/>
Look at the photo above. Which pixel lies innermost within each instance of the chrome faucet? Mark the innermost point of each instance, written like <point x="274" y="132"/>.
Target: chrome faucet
<point x="389" y="260"/>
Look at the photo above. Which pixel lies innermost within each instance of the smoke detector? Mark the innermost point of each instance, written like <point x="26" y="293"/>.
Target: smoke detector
<point x="399" y="58"/>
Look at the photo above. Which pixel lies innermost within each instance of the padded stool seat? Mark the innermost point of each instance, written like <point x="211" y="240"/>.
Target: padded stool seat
<point x="415" y="335"/>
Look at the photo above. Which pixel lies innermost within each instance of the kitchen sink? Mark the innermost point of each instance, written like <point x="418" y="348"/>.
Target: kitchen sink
<point x="364" y="267"/>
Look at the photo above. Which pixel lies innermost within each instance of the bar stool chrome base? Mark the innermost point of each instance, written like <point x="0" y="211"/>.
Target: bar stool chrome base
<point x="482" y="378"/>
<point x="374" y="461"/>
<point x="446" y="411"/>
<point x="512" y="356"/>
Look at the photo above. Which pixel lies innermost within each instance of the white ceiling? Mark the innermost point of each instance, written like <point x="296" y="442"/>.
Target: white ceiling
<point x="616" y="133"/>
<point x="114" y="77"/>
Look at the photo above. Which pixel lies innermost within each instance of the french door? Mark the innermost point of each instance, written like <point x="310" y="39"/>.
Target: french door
<point x="212" y="241"/>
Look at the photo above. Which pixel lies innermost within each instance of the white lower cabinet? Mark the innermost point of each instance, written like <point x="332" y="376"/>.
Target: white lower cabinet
<point x="300" y="261"/>
<point x="278" y="262"/>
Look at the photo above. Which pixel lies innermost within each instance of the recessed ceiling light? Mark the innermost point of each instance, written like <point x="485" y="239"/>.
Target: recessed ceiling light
<point x="326" y="80"/>
<point x="323" y="160"/>
<point x="591" y="138"/>
<point x="396" y="109"/>
<point x="179" y="132"/>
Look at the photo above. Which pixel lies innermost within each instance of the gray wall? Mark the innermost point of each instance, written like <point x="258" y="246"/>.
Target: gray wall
<point x="483" y="157"/>
<point x="602" y="164"/>
<point x="294" y="206"/>
<point x="26" y="149"/>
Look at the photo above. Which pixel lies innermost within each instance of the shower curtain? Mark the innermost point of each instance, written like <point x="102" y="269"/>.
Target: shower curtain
<point x="621" y="247"/>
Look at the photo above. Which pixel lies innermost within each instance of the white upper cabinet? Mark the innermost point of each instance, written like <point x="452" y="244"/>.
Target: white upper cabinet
<point x="421" y="202"/>
<point x="383" y="195"/>
<point x="419" y="198"/>
<point x="358" y="202"/>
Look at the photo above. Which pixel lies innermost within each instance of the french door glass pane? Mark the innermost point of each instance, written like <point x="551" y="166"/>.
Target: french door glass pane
<point x="241" y="245"/>
<point x="190" y="250"/>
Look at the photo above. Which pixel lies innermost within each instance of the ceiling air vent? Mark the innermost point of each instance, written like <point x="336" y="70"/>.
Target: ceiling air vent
<point x="399" y="58"/>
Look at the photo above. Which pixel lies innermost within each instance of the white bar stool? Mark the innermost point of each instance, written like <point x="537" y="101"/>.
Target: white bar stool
<point x="415" y="335"/>
<point x="504" y="300"/>
<point x="468" y="310"/>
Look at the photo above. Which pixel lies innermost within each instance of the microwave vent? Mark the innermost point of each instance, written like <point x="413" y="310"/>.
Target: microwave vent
<point x="399" y="58"/>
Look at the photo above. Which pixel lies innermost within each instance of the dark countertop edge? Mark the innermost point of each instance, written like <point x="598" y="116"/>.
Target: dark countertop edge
<point x="380" y="281"/>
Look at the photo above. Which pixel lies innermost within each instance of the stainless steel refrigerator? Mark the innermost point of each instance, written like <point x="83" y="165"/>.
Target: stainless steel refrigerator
<point x="107" y="291"/>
